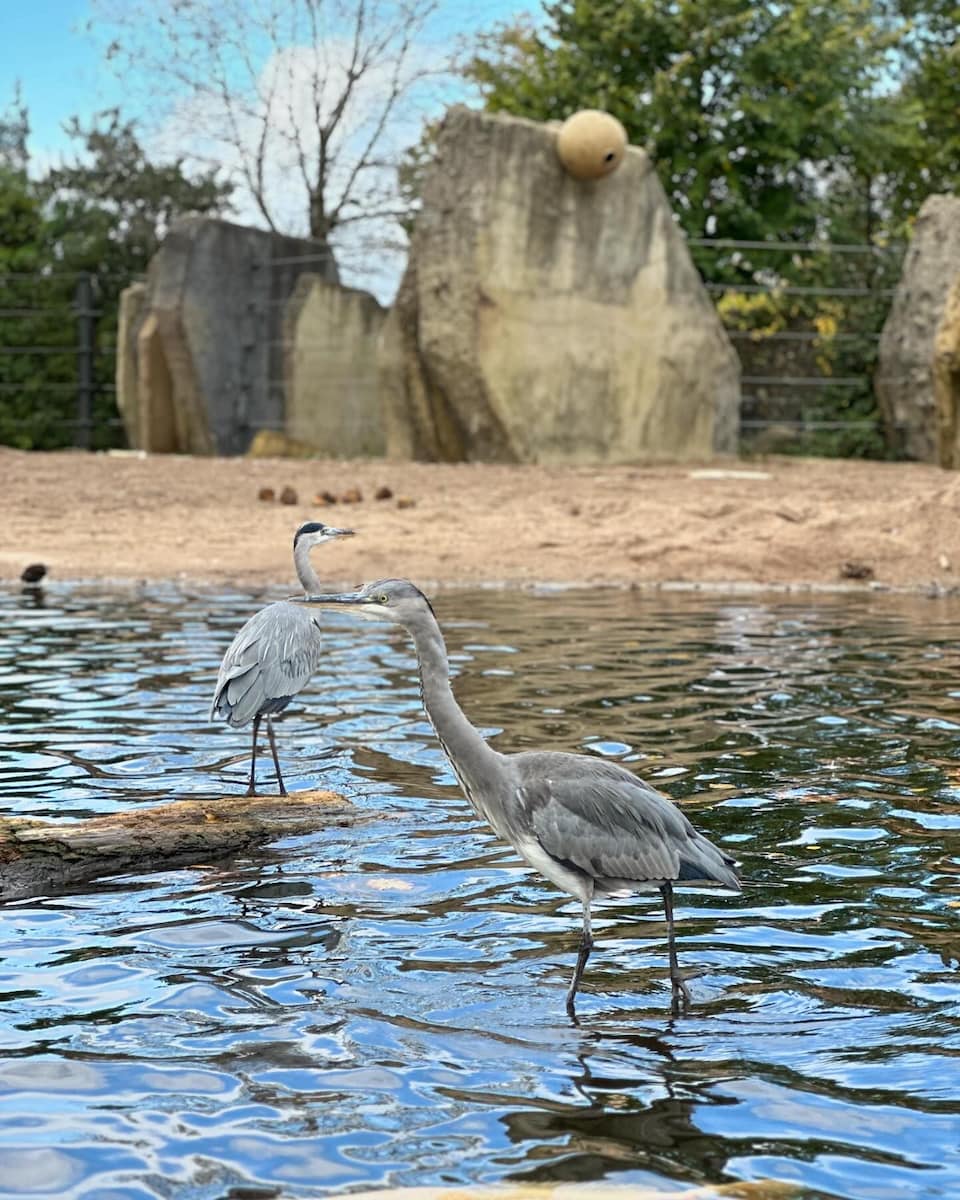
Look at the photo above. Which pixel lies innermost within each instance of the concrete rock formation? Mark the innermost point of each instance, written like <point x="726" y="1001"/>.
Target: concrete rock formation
<point x="274" y="443"/>
<point x="200" y="354"/>
<point x="543" y="319"/>
<point x="129" y="316"/>
<point x="946" y="380"/>
<point x="331" y="391"/>
<point x="904" y="379"/>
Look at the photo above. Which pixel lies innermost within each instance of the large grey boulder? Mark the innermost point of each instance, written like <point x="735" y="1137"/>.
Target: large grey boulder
<point x="201" y="352"/>
<point x="545" y="319"/>
<point x="331" y="396"/>
<point x="904" y="378"/>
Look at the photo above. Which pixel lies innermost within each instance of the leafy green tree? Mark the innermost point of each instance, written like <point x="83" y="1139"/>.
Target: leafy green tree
<point x="303" y="100"/>
<point x="929" y="67"/>
<point x="743" y="106"/>
<point x="25" y="319"/>
<point x="790" y="122"/>
<point x="102" y="215"/>
<point x="14" y="132"/>
<point x="109" y="209"/>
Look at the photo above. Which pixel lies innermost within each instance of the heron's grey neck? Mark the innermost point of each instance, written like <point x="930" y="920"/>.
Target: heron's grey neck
<point x="309" y="580"/>
<point x="465" y="747"/>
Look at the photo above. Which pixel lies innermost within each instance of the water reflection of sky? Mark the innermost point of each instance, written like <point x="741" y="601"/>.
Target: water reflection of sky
<point x="384" y="1004"/>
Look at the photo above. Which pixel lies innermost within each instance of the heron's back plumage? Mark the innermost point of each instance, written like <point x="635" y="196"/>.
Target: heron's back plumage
<point x="598" y="819"/>
<point x="271" y="659"/>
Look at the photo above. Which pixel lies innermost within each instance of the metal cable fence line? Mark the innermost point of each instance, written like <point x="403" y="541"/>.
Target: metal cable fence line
<point x="813" y="424"/>
<point x="761" y="338"/>
<point x="754" y="289"/>
<point x="52" y="276"/>
<point x="804" y="318"/>
<point x="806" y="247"/>
<point x="55" y="375"/>
<point x="773" y="386"/>
<point x="33" y="390"/>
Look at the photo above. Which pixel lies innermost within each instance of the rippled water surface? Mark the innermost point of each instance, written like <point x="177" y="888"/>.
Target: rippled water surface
<point x="384" y="1004"/>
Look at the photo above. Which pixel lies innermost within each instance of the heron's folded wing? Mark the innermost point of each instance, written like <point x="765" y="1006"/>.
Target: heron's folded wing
<point x="272" y="657"/>
<point x="612" y="825"/>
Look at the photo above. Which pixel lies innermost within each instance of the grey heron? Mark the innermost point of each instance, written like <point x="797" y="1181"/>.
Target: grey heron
<point x="273" y="655"/>
<point x="589" y="825"/>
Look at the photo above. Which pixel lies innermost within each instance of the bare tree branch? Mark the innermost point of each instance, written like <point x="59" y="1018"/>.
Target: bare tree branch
<point x="301" y="101"/>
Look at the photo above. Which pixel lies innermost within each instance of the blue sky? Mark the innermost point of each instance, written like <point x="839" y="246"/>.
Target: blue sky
<point x="57" y="64"/>
<point x="43" y="45"/>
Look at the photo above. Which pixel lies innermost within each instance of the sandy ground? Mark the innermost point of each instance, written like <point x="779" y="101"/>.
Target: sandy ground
<point x="780" y="521"/>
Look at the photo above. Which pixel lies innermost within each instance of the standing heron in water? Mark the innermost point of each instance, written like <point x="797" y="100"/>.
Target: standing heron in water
<point x="274" y="655"/>
<point x="589" y="825"/>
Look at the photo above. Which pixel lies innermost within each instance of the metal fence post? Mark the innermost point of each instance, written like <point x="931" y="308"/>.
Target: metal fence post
<point x="86" y="328"/>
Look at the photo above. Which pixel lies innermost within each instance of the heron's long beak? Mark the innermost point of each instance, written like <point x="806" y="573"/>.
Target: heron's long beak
<point x="339" y="532"/>
<point x="333" y="599"/>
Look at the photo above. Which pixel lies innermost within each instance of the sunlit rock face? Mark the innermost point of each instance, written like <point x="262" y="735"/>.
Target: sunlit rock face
<point x="905" y="370"/>
<point x="548" y="319"/>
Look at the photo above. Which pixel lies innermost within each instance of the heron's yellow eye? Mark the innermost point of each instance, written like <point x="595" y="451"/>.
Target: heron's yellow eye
<point x="383" y="598"/>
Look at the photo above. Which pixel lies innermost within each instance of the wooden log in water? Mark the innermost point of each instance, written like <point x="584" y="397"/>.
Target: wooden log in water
<point x="38" y="857"/>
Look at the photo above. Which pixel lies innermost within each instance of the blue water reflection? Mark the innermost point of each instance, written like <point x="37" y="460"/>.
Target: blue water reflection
<point x="384" y="1004"/>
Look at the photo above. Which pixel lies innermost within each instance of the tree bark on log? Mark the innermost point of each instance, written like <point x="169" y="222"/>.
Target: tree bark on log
<point x="38" y="857"/>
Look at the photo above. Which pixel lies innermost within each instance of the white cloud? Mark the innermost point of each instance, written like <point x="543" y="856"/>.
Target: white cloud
<point x="272" y="116"/>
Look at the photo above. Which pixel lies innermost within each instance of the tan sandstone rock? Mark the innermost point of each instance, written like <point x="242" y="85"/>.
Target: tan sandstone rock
<point x="904" y="379"/>
<point x="946" y="380"/>
<point x="274" y="443"/>
<point x="331" y="393"/>
<point x="129" y="314"/>
<point x="545" y="319"/>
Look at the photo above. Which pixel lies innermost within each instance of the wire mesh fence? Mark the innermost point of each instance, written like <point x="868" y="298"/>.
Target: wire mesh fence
<point x="803" y="317"/>
<point x="57" y="361"/>
<point x="805" y="320"/>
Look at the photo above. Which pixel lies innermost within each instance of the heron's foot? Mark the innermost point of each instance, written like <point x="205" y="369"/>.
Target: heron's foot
<point x="283" y="790"/>
<point x="681" y="998"/>
<point x="251" y="791"/>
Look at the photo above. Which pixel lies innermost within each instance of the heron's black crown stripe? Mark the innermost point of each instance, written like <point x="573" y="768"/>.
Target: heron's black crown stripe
<point x="310" y="527"/>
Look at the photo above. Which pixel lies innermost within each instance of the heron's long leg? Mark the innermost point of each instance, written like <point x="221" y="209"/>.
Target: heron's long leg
<point x="276" y="761"/>
<point x="586" y="945"/>
<point x="252" y="786"/>
<point x="677" y="981"/>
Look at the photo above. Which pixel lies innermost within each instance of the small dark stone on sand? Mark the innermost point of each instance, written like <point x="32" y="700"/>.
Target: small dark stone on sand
<point x="267" y="494"/>
<point x="288" y="495"/>
<point x="405" y="502"/>
<point x="856" y="570"/>
<point x="382" y="493"/>
<point x="351" y="496"/>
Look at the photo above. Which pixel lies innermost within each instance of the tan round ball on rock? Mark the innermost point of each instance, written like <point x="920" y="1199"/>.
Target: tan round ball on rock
<point x="591" y="144"/>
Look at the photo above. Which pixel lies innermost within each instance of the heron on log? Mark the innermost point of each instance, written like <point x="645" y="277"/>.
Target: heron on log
<point x="274" y="655"/>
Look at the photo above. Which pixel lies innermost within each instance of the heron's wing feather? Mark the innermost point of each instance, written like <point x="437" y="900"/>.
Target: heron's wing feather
<point x="272" y="657"/>
<point x="604" y="821"/>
